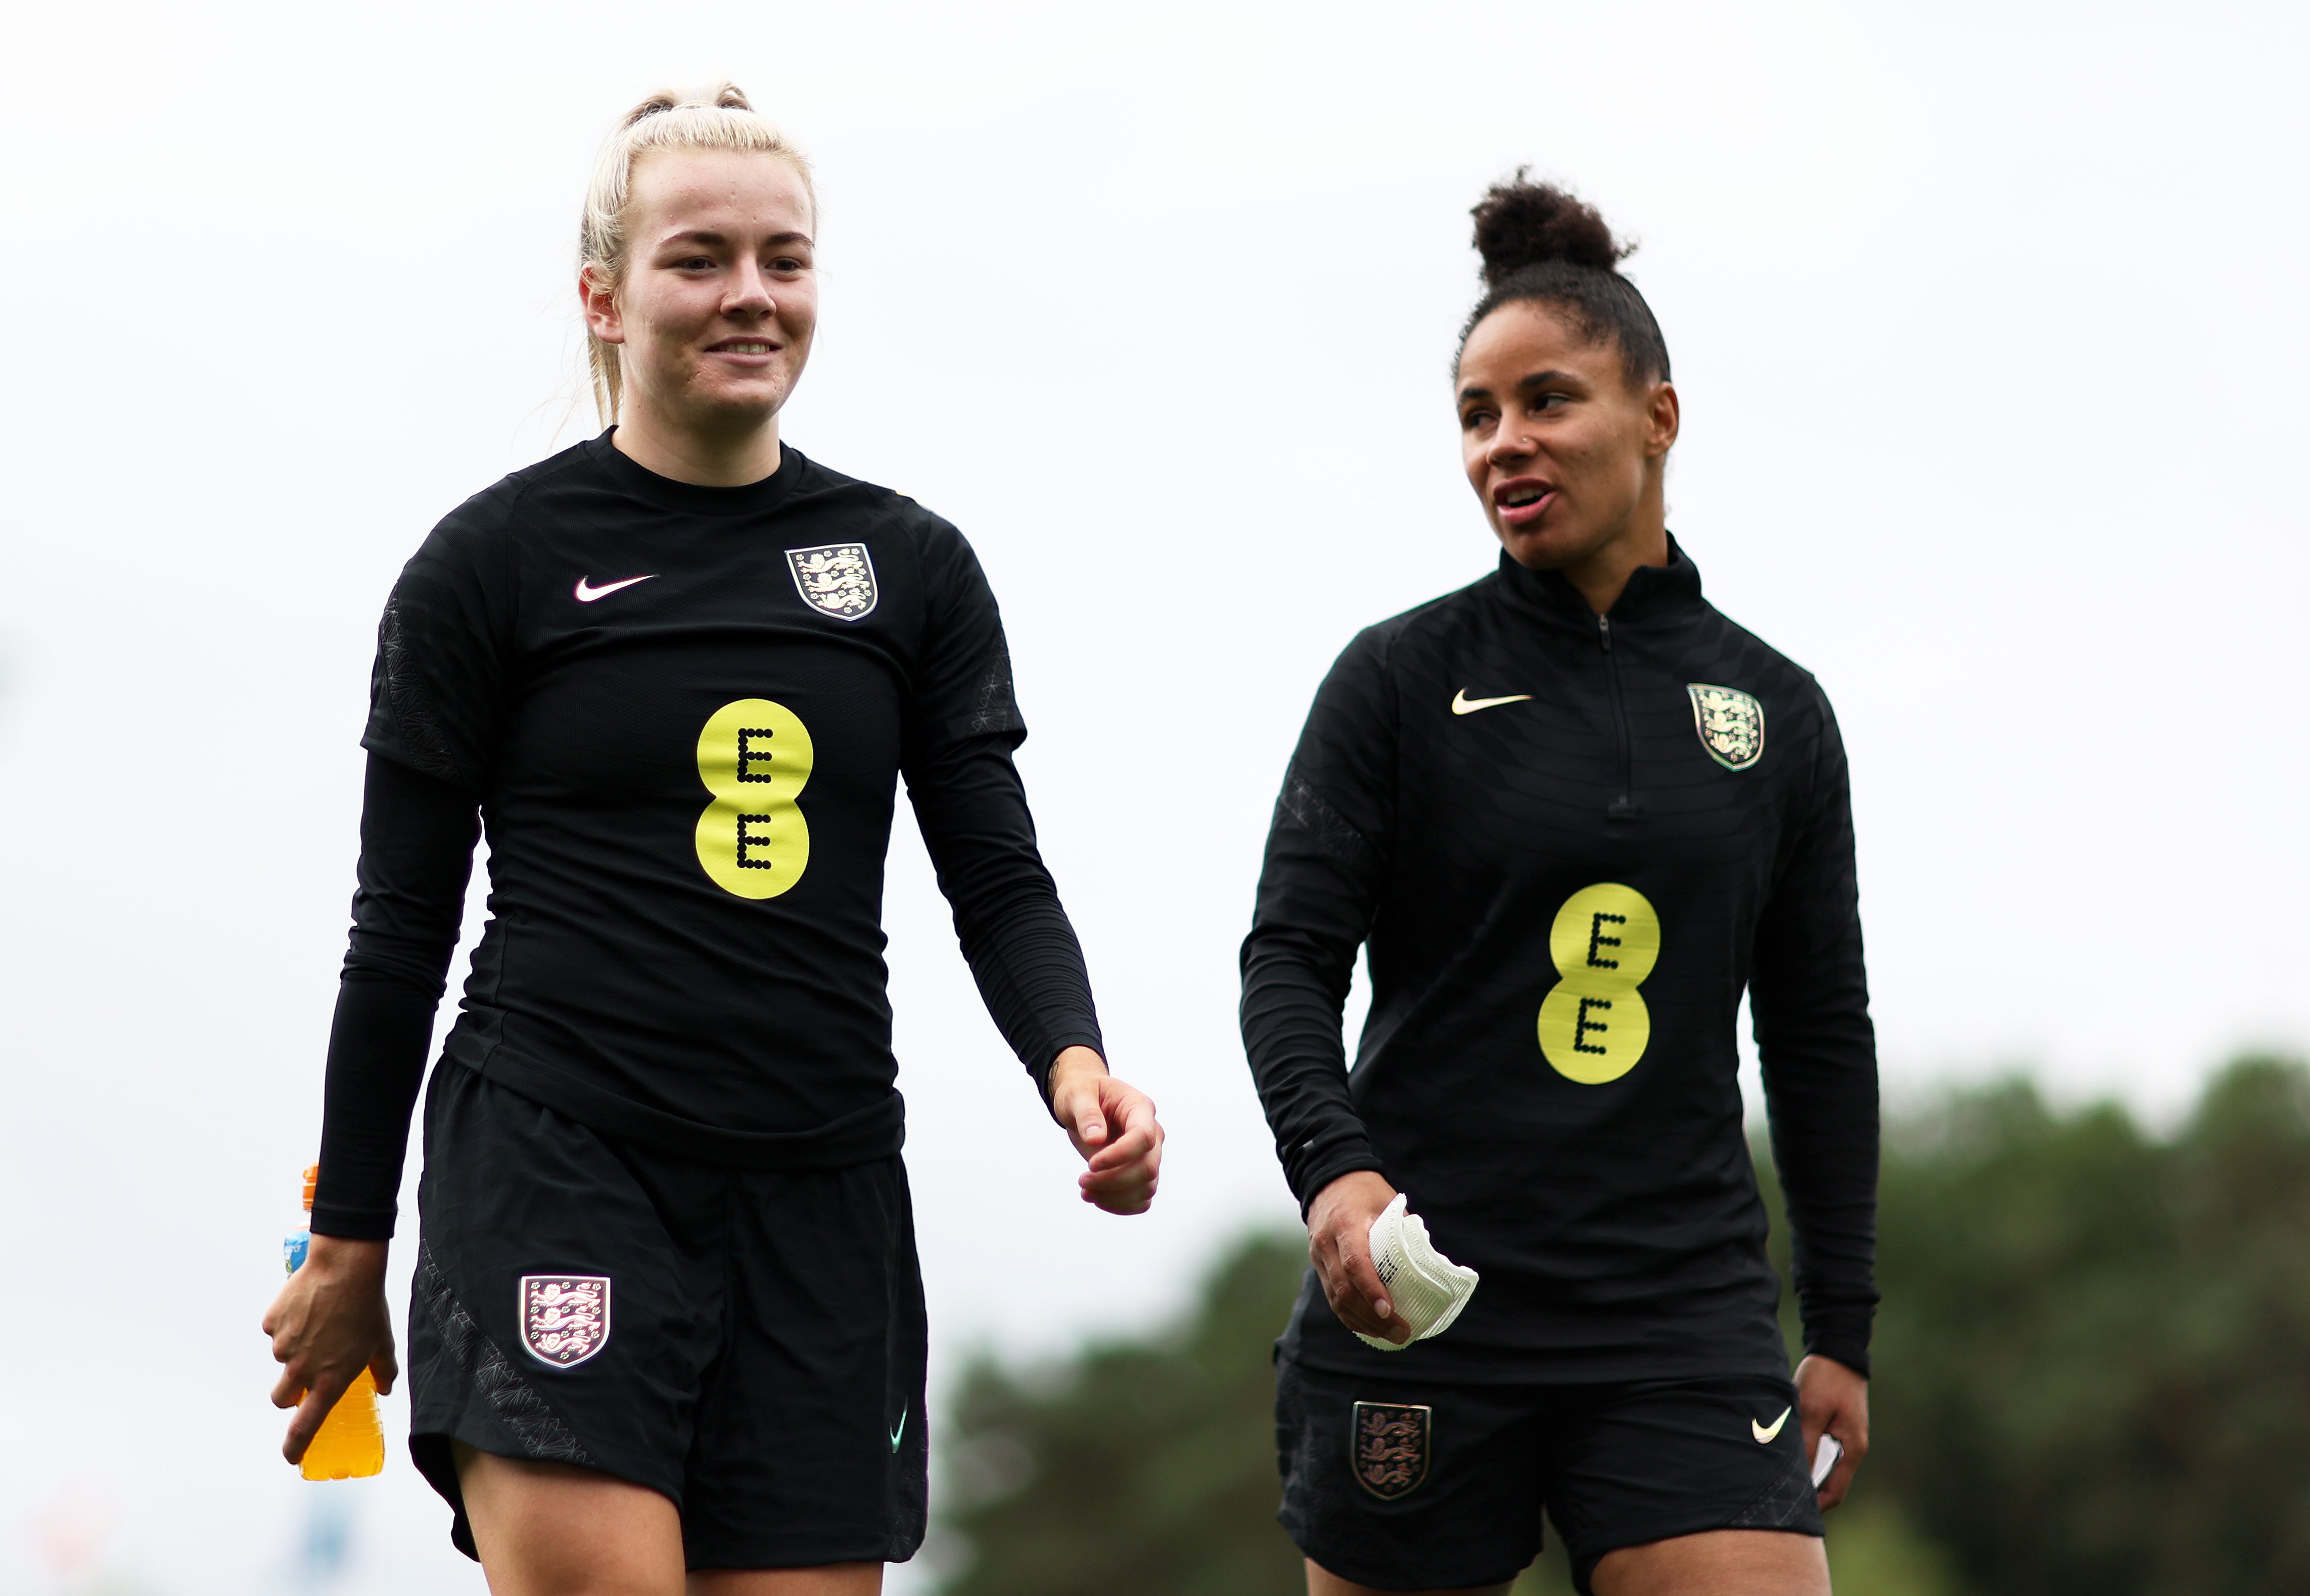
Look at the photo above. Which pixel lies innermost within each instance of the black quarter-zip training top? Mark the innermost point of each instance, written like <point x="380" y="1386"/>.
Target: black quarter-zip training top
<point x="1571" y="843"/>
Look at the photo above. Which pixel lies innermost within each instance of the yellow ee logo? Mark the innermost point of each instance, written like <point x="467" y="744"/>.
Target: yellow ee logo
<point x="754" y="757"/>
<point x="1593" y="1025"/>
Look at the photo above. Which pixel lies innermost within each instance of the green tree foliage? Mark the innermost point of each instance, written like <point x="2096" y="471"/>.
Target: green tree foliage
<point x="2093" y="1358"/>
<point x="1139" y="1470"/>
<point x="2092" y="1376"/>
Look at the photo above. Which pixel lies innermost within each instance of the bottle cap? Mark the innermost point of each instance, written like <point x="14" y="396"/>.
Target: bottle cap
<point x="312" y="1178"/>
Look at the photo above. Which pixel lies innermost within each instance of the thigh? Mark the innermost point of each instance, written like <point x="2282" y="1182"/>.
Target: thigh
<point x="1666" y="1464"/>
<point x="555" y="1529"/>
<point x="836" y="1579"/>
<point x="811" y="1447"/>
<point x="1393" y="1483"/>
<point x="1323" y="1582"/>
<point x="1717" y="1563"/>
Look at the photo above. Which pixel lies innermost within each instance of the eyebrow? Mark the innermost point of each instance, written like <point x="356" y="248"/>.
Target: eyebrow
<point x="1538" y="379"/>
<point x="700" y="235"/>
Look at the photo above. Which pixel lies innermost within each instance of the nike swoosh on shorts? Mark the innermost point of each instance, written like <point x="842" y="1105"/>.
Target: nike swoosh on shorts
<point x="1765" y="1432"/>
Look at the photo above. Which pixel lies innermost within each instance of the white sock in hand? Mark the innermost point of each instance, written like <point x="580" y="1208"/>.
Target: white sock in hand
<point x="1428" y="1288"/>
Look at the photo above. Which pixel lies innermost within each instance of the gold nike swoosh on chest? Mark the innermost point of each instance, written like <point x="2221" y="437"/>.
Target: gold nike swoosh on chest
<point x="1461" y="704"/>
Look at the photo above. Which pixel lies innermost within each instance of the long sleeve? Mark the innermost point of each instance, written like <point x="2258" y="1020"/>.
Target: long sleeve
<point x="1020" y="946"/>
<point x="962" y="726"/>
<point x="1320" y="886"/>
<point x="417" y="850"/>
<point x="1810" y="997"/>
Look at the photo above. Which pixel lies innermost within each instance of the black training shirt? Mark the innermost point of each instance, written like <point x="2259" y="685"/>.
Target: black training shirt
<point x="1569" y="843"/>
<point x="682" y="712"/>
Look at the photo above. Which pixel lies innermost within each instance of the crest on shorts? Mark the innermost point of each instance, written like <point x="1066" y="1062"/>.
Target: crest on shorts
<point x="1730" y="724"/>
<point x="835" y="579"/>
<point x="565" y="1319"/>
<point x="1388" y="1447"/>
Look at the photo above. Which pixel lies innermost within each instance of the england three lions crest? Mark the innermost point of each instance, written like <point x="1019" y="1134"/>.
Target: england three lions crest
<point x="565" y="1319"/>
<point x="835" y="579"/>
<point x="1730" y="724"/>
<point x="1389" y="1448"/>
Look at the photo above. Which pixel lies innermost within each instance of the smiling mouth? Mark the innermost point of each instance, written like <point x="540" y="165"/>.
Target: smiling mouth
<point x="742" y="346"/>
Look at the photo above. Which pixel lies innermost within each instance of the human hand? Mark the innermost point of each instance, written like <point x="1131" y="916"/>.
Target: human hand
<point x="329" y="1324"/>
<point x="1339" y="1244"/>
<point x="1832" y="1399"/>
<point x="1113" y="1126"/>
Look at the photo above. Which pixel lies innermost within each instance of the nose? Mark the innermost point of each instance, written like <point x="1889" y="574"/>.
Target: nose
<point x="749" y="294"/>
<point x="1509" y="444"/>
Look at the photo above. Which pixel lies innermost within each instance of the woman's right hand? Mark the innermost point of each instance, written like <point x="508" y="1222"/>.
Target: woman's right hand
<point x="328" y="1323"/>
<point x="1339" y="1244"/>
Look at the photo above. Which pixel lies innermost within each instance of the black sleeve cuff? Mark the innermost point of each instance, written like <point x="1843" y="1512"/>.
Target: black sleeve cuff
<point x="1325" y="1163"/>
<point x="1842" y="1344"/>
<point x="353" y="1223"/>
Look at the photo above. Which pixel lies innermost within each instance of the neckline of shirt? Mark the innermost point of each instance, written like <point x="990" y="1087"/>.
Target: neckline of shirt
<point x="1652" y="590"/>
<point x="696" y="498"/>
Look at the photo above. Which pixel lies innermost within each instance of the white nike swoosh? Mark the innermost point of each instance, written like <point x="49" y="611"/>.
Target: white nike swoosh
<point x="900" y="1431"/>
<point x="1461" y="704"/>
<point x="587" y="592"/>
<point x="1762" y="1432"/>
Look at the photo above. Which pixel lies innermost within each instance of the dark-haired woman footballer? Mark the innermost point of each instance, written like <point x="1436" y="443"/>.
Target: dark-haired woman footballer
<point x="668" y="1330"/>
<point x="1573" y="811"/>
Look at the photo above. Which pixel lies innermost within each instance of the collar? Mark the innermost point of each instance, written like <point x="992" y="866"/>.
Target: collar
<point x="694" y="498"/>
<point x="1654" y="592"/>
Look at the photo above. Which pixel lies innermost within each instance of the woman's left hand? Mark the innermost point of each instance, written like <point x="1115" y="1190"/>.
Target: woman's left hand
<point x="1113" y="1126"/>
<point x="1834" y="1400"/>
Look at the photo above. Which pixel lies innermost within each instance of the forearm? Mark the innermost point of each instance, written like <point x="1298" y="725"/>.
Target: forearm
<point x="1013" y="931"/>
<point x="377" y="1049"/>
<point x="417" y="841"/>
<point x="1295" y="985"/>
<point x="1825" y="1143"/>
<point x="1319" y="888"/>
<point x="1029" y="968"/>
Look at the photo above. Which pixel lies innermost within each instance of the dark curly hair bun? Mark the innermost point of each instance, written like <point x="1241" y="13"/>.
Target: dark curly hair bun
<point x="1521" y="224"/>
<point x="1541" y="245"/>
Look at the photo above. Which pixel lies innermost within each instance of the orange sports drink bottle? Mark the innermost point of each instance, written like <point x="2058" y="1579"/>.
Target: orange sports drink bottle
<point x="351" y="1444"/>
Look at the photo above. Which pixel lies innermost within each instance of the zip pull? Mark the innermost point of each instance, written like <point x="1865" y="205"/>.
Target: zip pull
<point x="1604" y="631"/>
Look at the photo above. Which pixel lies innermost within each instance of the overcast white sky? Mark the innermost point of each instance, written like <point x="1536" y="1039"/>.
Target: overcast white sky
<point x="1988" y="324"/>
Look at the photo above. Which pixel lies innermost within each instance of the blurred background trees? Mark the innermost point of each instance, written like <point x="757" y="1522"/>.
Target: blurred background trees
<point x="2093" y="1376"/>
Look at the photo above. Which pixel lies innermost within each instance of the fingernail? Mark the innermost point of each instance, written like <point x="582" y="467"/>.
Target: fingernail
<point x="1386" y="1309"/>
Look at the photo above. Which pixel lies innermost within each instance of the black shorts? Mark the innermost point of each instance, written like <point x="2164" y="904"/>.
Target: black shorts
<point x="1406" y="1484"/>
<point x="751" y="1343"/>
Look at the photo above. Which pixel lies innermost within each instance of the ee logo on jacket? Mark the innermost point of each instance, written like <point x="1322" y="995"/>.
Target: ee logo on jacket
<point x="1593" y="1025"/>
<point x="755" y="759"/>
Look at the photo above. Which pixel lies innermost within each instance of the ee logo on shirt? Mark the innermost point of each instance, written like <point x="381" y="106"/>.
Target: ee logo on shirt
<point x="1593" y="1025"/>
<point x="755" y="758"/>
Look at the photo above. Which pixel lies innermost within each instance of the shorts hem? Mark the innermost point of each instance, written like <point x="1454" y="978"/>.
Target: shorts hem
<point x="1356" y="1570"/>
<point x="816" y="1549"/>
<point x="433" y="1451"/>
<point x="1584" y="1556"/>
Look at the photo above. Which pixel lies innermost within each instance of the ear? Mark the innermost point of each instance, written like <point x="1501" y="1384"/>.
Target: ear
<point x="1663" y="416"/>
<point x="599" y="302"/>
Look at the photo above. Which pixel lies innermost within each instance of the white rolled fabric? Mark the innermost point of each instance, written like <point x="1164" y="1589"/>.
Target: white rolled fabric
<point x="1428" y="1288"/>
<point x="1824" y="1459"/>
